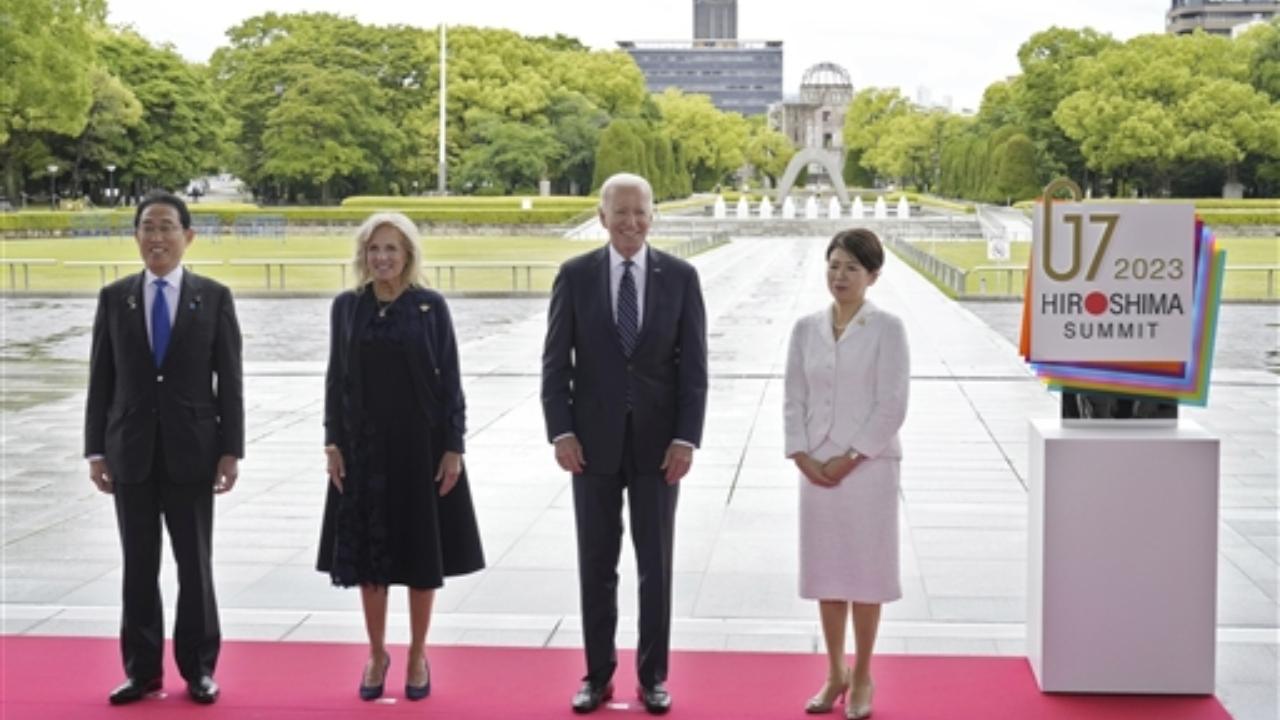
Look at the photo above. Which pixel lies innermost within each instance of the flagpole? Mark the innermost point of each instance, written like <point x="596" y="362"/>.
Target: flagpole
<point x="442" y="167"/>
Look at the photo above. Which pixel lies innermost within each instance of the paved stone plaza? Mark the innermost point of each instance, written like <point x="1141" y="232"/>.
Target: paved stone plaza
<point x="964" y="481"/>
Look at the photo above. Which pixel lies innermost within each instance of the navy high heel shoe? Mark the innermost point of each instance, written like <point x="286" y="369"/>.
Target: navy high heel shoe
<point x="418" y="692"/>
<point x="373" y="692"/>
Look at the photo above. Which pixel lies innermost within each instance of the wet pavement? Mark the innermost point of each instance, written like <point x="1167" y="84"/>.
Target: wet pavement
<point x="964" y="511"/>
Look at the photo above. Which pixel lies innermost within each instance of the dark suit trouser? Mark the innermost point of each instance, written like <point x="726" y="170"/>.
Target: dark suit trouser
<point x="597" y="501"/>
<point x="187" y="509"/>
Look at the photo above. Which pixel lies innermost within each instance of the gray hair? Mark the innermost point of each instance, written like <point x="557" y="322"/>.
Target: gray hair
<point x="412" y="274"/>
<point x="625" y="180"/>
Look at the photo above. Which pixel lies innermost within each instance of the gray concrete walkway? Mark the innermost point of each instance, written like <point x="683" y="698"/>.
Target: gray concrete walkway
<point x="964" y="486"/>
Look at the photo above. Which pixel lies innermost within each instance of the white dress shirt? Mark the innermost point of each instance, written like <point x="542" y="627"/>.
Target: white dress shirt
<point x="615" y="280"/>
<point x="851" y="391"/>
<point x="171" y="292"/>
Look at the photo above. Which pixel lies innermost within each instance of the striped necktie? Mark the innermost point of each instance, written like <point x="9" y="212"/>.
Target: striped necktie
<point x="628" y="309"/>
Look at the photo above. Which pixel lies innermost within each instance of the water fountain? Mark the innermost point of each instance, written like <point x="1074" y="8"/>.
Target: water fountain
<point x="904" y="208"/>
<point x="717" y="209"/>
<point x="882" y="212"/>
<point x="766" y="209"/>
<point x="856" y="211"/>
<point x="833" y="207"/>
<point x="743" y="211"/>
<point x="811" y="208"/>
<point x="788" y="209"/>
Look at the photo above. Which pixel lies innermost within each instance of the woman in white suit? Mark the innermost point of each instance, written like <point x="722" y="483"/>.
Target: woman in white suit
<point x="846" y="396"/>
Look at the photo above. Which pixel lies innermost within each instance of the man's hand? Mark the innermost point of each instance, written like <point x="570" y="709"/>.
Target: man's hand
<point x="228" y="472"/>
<point x="449" y="471"/>
<point x="100" y="476"/>
<point x="812" y="470"/>
<point x="569" y="454"/>
<point x="677" y="461"/>
<point x="337" y="469"/>
<point x="837" y="468"/>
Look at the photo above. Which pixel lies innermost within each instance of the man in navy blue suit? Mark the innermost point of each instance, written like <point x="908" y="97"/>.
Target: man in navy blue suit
<point x="624" y="393"/>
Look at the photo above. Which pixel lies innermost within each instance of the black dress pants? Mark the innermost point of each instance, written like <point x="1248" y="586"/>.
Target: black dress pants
<point x="597" y="501"/>
<point x="187" y="510"/>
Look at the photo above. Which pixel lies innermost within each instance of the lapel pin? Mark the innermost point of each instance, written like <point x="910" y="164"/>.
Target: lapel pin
<point x="862" y="321"/>
<point x="424" y="307"/>
<point x="133" y="302"/>
<point x="195" y="303"/>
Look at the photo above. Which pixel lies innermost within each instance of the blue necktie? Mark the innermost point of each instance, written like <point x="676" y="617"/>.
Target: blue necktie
<point x="160" y="324"/>
<point x="628" y="310"/>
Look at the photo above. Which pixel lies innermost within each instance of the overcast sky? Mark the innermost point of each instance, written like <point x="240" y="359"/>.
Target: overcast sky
<point x="951" y="48"/>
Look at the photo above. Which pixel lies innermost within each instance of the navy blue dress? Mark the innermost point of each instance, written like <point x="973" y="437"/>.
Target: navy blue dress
<point x="390" y="526"/>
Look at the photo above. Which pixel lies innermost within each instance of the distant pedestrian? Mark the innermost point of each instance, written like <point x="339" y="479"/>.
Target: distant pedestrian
<point x="398" y="510"/>
<point x="846" y="387"/>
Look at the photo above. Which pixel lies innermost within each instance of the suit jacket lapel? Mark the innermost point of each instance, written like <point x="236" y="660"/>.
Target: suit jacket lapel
<point x="603" y="275"/>
<point x="652" y="290"/>
<point x="136" y="322"/>
<point x="184" y="315"/>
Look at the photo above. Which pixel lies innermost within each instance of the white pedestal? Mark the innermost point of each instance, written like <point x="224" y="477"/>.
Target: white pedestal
<point x="1122" y="558"/>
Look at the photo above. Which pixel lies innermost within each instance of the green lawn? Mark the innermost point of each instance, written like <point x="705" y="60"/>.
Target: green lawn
<point x="509" y="250"/>
<point x="1240" y="284"/>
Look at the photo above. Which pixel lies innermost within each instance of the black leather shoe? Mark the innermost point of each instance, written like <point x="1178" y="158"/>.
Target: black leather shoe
<point x="590" y="696"/>
<point x="203" y="690"/>
<point x="134" y="690"/>
<point x="656" y="699"/>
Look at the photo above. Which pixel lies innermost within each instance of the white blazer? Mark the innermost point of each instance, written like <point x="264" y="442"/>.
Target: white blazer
<point x="852" y="391"/>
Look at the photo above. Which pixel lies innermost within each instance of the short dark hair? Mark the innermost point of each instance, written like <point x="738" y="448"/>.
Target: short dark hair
<point x="862" y="244"/>
<point x="164" y="198"/>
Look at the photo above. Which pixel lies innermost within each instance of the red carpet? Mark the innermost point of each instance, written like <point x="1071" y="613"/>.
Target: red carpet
<point x="58" y="677"/>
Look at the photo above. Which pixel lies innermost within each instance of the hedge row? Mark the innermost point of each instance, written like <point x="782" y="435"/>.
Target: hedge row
<point x="559" y="202"/>
<point x="1219" y="218"/>
<point x="46" y="221"/>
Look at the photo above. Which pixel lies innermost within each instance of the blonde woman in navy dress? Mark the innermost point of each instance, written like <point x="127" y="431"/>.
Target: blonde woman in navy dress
<point x="846" y="396"/>
<point x="398" y="509"/>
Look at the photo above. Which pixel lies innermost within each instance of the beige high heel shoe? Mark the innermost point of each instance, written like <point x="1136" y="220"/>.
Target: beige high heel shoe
<point x="857" y="708"/>
<point x="827" y="697"/>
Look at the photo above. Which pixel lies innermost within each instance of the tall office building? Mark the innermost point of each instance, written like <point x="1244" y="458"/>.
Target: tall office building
<point x="742" y="76"/>
<point x="1217" y="17"/>
<point x="715" y="19"/>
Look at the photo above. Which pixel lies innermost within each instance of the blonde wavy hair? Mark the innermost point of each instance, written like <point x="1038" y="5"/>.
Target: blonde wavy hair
<point x="412" y="244"/>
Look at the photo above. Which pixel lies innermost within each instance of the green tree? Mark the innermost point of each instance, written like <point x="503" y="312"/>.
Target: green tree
<point x="767" y="150"/>
<point x="1158" y="102"/>
<point x="180" y="133"/>
<point x="1264" y="58"/>
<point x="47" y="52"/>
<point x="318" y="133"/>
<point x="712" y="140"/>
<point x="506" y="156"/>
<point x="1015" y="173"/>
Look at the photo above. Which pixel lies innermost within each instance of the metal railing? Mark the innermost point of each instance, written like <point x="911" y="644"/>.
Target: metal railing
<point x="115" y="266"/>
<point x="26" y="264"/>
<point x="945" y="273"/>
<point x="1270" y="270"/>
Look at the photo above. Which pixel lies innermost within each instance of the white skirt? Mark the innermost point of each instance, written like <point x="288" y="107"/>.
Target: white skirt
<point x="849" y="533"/>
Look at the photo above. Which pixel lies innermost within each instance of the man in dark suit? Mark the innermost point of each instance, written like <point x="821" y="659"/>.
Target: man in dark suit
<point x="624" y="392"/>
<point x="164" y="431"/>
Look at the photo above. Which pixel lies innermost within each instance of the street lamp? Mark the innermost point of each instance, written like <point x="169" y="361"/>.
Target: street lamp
<point x="53" y="185"/>
<point x="111" y="184"/>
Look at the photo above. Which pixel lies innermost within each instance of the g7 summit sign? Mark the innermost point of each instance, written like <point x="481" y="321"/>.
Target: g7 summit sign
<point x="1112" y="282"/>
